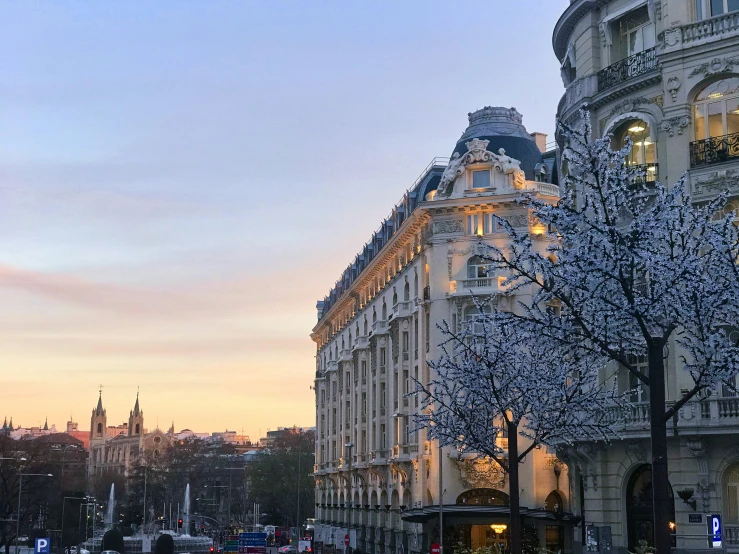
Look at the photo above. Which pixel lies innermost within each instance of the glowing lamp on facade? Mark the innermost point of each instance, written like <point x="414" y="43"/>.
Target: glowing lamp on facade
<point x="672" y="526"/>
<point x="636" y="128"/>
<point x="499" y="527"/>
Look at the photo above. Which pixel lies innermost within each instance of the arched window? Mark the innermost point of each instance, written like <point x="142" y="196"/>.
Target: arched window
<point x="406" y="292"/>
<point x="384" y="311"/>
<point x="374" y="315"/>
<point x="554" y="503"/>
<point x="137" y="429"/>
<point x="731" y="495"/>
<point x="415" y="284"/>
<point x="350" y="339"/>
<point x="716" y="109"/>
<point x="365" y="326"/>
<point x="477" y="268"/>
<point x="639" y="506"/>
<point x="643" y="150"/>
<point x="483" y="497"/>
<point x="472" y="313"/>
<point x="100" y="428"/>
<point x="730" y="208"/>
<point x="395" y="297"/>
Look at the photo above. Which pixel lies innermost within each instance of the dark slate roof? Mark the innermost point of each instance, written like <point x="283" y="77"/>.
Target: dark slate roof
<point x="504" y="128"/>
<point x="521" y="149"/>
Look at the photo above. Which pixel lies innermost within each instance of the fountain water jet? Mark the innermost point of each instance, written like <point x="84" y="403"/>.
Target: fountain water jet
<point x="111" y="508"/>
<point x="186" y="510"/>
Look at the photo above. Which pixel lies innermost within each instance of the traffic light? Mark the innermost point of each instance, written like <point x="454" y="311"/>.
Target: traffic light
<point x="179" y="523"/>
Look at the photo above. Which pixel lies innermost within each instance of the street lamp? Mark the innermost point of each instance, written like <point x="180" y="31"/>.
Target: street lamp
<point x="20" y="490"/>
<point x="64" y="503"/>
<point x="229" y="487"/>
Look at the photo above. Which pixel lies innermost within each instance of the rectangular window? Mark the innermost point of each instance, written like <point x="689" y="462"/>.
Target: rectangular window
<point x="481" y="179"/>
<point x="382" y="395"/>
<point x="472" y="222"/>
<point x="364" y="403"/>
<point x="428" y="332"/>
<point x="383" y="437"/>
<point x="406" y="382"/>
<point x="487" y="224"/>
<point x="640" y="392"/>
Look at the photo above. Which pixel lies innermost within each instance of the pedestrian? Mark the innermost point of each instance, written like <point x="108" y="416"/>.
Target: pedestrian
<point x="113" y="541"/>
<point x="164" y="545"/>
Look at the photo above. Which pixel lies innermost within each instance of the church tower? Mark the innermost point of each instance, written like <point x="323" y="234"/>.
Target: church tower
<point x="98" y="422"/>
<point x="136" y="420"/>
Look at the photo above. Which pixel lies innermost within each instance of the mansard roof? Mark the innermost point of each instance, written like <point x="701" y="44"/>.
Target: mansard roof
<point x="503" y="128"/>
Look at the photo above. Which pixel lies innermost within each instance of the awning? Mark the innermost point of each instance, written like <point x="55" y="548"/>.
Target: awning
<point x="502" y="513"/>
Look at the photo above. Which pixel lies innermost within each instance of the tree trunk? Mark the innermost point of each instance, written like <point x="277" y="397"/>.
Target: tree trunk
<point x="515" y="532"/>
<point x="660" y="483"/>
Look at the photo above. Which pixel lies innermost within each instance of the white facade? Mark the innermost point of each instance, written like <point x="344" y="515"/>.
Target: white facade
<point x="665" y="73"/>
<point x="377" y="479"/>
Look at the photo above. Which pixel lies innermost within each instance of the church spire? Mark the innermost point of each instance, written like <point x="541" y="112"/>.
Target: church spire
<point x="99" y="410"/>
<point x="136" y="409"/>
<point x="46" y="424"/>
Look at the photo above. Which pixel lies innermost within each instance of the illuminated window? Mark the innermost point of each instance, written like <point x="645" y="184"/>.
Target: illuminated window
<point x="481" y="179"/>
<point x="643" y="150"/>
<point x="639" y="391"/>
<point x="487" y="223"/>
<point x="716" y="109"/>
<point x="472" y="224"/>
<point x="477" y="268"/>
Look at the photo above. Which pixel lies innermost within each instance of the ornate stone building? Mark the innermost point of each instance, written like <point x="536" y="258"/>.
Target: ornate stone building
<point x="377" y="479"/>
<point x="664" y="73"/>
<point x="115" y="448"/>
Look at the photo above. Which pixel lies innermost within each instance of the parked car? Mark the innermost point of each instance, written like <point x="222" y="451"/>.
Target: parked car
<point x="289" y="549"/>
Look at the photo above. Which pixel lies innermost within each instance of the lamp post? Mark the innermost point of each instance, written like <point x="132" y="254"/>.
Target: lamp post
<point x="64" y="503"/>
<point x="20" y="490"/>
<point x="349" y="446"/>
<point x="229" y="487"/>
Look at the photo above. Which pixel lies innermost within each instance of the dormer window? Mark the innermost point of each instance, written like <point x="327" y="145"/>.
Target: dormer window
<point x="481" y="179"/>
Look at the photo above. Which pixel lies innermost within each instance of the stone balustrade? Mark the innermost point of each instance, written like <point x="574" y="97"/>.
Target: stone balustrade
<point x="714" y="27"/>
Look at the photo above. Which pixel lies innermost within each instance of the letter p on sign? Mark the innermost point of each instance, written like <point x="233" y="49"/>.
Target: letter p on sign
<point x="43" y="546"/>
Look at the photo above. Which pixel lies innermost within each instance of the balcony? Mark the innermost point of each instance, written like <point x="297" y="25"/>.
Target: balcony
<point x="402" y="309"/>
<point x="644" y="174"/>
<point x="379" y="327"/>
<point x="634" y="415"/>
<point x="485" y="282"/>
<point x="627" y="69"/>
<point x="714" y="28"/>
<point x="333" y="365"/>
<point x="345" y="355"/>
<point x="714" y="150"/>
<point x="361" y="343"/>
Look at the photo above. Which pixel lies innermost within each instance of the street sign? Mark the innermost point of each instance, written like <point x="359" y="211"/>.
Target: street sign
<point x="42" y="546"/>
<point x="714" y="529"/>
<point x="346" y="539"/>
<point x="248" y="536"/>
<point x="695" y="518"/>
<point x="435" y="548"/>
<point x="256" y="550"/>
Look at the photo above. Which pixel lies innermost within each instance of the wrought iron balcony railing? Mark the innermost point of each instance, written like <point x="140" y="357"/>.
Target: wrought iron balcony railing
<point x="628" y="68"/>
<point x="714" y="150"/>
<point x="644" y="174"/>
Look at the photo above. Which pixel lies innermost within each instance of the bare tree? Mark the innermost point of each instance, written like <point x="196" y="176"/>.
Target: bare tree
<point x="495" y="378"/>
<point x="634" y="269"/>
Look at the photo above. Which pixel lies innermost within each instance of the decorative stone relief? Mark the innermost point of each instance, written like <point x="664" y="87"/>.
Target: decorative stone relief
<point x="654" y="7"/>
<point x="698" y="449"/>
<point x="670" y="38"/>
<point x="637" y="451"/>
<point x="517" y="220"/>
<point x="477" y="152"/>
<point x="704" y="489"/>
<point x="415" y="469"/>
<point x="718" y="181"/>
<point x="481" y="473"/>
<point x="447" y="227"/>
<point x="716" y="65"/>
<point x="631" y="104"/>
<point x="605" y="33"/>
<point x="673" y="85"/>
<point x="677" y="123"/>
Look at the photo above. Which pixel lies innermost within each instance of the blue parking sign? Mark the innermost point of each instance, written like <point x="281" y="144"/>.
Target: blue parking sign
<point x="714" y="529"/>
<point x="43" y="546"/>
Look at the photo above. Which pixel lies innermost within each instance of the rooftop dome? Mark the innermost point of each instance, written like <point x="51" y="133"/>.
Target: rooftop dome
<point x="503" y="127"/>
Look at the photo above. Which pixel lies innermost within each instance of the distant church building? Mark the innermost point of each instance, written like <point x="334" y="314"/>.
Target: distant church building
<point x="116" y="448"/>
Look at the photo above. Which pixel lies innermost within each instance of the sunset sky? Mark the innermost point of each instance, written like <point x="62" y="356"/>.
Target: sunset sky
<point x="180" y="181"/>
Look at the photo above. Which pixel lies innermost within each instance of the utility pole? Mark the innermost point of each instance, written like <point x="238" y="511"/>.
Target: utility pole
<point x="441" y="504"/>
